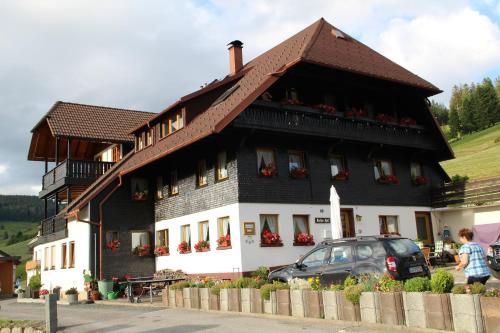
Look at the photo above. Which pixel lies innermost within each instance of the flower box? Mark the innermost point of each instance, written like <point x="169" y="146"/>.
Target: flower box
<point x="369" y="307"/>
<point x="386" y="180"/>
<point x="113" y="245"/>
<point x="268" y="171"/>
<point x="354" y="113"/>
<point x="202" y="246"/>
<point x="256" y="305"/>
<point x="407" y="121"/>
<point x="438" y="313"/>
<point x="179" y="298"/>
<point x="299" y="173"/>
<point x="171" y="298"/>
<point x="342" y="175"/>
<point x="466" y="310"/>
<point x="184" y="247"/>
<point x="303" y="239"/>
<point x="420" y="180"/>
<point x="270" y="239"/>
<point x="414" y="309"/>
<point x="326" y="108"/>
<point x="283" y="302"/>
<point x="385" y="119"/>
<point x="142" y="250"/>
<point x="234" y="299"/>
<point x="297" y="303"/>
<point x="164" y="296"/>
<point x="224" y="242"/>
<point x="224" y="300"/>
<point x="161" y="251"/>
<point x="349" y="310"/>
<point x="313" y="304"/>
<point x="205" y="299"/>
<point x="270" y="305"/>
<point x="214" y="302"/>
<point x="331" y="307"/>
<point x="491" y="314"/>
<point x="246" y="300"/>
<point x="391" y="308"/>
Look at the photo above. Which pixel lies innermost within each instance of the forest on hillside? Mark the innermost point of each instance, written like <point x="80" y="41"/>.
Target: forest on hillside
<point x="20" y="208"/>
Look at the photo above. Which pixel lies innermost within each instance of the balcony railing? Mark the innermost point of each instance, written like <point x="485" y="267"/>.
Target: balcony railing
<point x="53" y="225"/>
<point x="75" y="170"/>
<point x="310" y="121"/>
<point x="470" y="193"/>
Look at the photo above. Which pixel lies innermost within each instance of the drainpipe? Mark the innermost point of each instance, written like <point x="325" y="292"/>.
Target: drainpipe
<point x="101" y="219"/>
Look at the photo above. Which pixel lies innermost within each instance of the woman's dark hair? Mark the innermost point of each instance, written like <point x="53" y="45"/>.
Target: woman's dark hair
<point x="466" y="233"/>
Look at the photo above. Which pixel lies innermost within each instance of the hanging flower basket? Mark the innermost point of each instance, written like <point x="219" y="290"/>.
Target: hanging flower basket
<point x="184" y="247"/>
<point x="142" y="250"/>
<point x="202" y="246"/>
<point x="420" y="180"/>
<point x="271" y="239"/>
<point x="327" y="108"/>
<point x="391" y="179"/>
<point x="113" y="245"/>
<point x="299" y="173"/>
<point x="303" y="239"/>
<point x="161" y="251"/>
<point x="407" y="121"/>
<point x="224" y="241"/>
<point x="268" y="171"/>
<point x="342" y="175"/>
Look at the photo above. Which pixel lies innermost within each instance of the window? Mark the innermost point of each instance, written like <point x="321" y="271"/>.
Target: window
<point x="149" y="137"/>
<point x="175" y="121"/>
<point x="140" y="141"/>
<point x="174" y="186"/>
<point x="224" y="226"/>
<point x="416" y="170"/>
<point x="72" y="254"/>
<point x="64" y="262"/>
<point x="341" y="254"/>
<point x="53" y="257"/>
<point x="201" y="178"/>
<point x="222" y="165"/>
<point x="300" y="224"/>
<point x="268" y="223"/>
<point x="159" y="187"/>
<point x="162" y="238"/>
<point x="203" y="231"/>
<point x="163" y="129"/>
<point x="46" y="259"/>
<point x="266" y="162"/>
<point x="315" y="259"/>
<point x="111" y="236"/>
<point x="186" y="234"/>
<point x="337" y="165"/>
<point x="389" y="225"/>
<point x="139" y="187"/>
<point x="295" y="161"/>
<point x="139" y="238"/>
<point x="383" y="168"/>
<point x="372" y="250"/>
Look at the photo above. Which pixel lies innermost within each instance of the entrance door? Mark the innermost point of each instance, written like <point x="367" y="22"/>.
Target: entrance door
<point x="424" y="227"/>
<point x="347" y="223"/>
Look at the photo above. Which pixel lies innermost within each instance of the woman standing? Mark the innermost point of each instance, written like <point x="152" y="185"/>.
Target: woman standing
<point x="472" y="259"/>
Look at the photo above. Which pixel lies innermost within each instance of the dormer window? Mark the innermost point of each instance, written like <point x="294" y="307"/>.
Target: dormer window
<point x="149" y="137"/>
<point x="172" y="123"/>
<point x="139" y="141"/>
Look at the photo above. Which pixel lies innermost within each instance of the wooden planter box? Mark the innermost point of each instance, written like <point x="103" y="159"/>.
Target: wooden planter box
<point x="179" y="298"/>
<point x="270" y="305"/>
<point x="283" y="302"/>
<point x="297" y="300"/>
<point x="246" y="300"/>
<point x="234" y="297"/>
<point x="214" y="302"/>
<point x="195" y="298"/>
<point x="349" y="311"/>
<point x="391" y="308"/>
<point x="438" y="311"/>
<point x="414" y="309"/>
<point x="186" y="297"/>
<point x="313" y="304"/>
<point x="256" y="305"/>
<point x="331" y="308"/>
<point x="490" y="308"/>
<point x="224" y="300"/>
<point x="369" y="307"/>
<point x="164" y="296"/>
<point x="205" y="299"/>
<point x="467" y="316"/>
<point x="171" y="298"/>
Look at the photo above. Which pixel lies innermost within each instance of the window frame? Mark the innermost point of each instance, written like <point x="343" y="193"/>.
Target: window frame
<point x="200" y="231"/>
<point x="419" y="167"/>
<point x="380" y="169"/>
<point x="302" y="157"/>
<point x="268" y="149"/>
<point x="166" y="237"/>
<point x="218" y="168"/>
<point x="46" y="257"/>
<point x="308" y="226"/>
<point x="64" y="255"/>
<point x="383" y="222"/>
<point x="52" y="257"/>
<point x="220" y="225"/>
<point x="342" y="160"/>
<point x="72" y="255"/>
<point x="185" y="227"/>
<point x="159" y="188"/>
<point x="201" y="163"/>
<point x="173" y="175"/>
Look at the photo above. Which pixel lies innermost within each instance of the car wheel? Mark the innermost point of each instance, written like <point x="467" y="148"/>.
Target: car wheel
<point x="495" y="274"/>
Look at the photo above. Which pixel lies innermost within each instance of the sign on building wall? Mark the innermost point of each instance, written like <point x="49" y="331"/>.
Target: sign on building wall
<point x="249" y="228"/>
<point x="321" y="220"/>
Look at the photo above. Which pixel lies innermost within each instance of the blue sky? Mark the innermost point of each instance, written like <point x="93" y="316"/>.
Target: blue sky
<point x="145" y="55"/>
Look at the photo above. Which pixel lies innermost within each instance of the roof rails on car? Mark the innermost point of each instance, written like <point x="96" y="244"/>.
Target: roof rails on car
<point x="329" y="240"/>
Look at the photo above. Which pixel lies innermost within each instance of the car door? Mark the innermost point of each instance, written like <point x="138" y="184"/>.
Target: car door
<point x="370" y="257"/>
<point x="339" y="264"/>
<point x="312" y="263"/>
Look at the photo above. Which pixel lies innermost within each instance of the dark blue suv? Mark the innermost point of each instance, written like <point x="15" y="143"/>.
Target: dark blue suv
<point x="334" y="260"/>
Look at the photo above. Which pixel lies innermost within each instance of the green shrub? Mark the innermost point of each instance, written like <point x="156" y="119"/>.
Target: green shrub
<point x="353" y="293"/>
<point x="244" y="282"/>
<point x="441" y="282"/>
<point x="387" y="284"/>
<point x="180" y="285"/>
<point x="265" y="290"/>
<point x="458" y="290"/>
<point x="215" y="290"/>
<point x="493" y="292"/>
<point x="336" y="287"/>
<point x="477" y="288"/>
<point x="369" y="282"/>
<point x="35" y="282"/>
<point x="71" y="291"/>
<point x="261" y="273"/>
<point x="350" y="281"/>
<point x="417" y="285"/>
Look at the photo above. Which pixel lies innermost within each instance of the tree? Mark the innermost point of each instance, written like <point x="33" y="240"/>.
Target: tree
<point x="454" y="123"/>
<point x="440" y="112"/>
<point x="5" y="235"/>
<point x="487" y="104"/>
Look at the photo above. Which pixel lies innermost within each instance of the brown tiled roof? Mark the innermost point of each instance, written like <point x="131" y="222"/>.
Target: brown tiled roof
<point x="315" y="44"/>
<point x="93" y="122"/>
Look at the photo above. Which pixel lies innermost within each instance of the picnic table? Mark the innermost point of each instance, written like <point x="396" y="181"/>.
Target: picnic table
<point x="146" y="283"/>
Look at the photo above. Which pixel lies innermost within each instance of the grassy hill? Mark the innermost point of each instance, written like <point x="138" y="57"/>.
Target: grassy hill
<point x="477" y="155"/>
<point x="18" y="248"/>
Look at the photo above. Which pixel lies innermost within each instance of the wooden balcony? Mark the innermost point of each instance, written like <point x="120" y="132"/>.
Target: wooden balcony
<point x="467" y="194"/>
<point x="307" y="120"/>
<point x="73" y="172"/>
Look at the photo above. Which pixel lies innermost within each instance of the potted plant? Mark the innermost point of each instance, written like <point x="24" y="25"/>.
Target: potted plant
<point x="299" y="173"/>
<point x="413" y="300"/>
<point x="466" y="307"/>
<point x="271" y="239"/>
<point x="142" y="250"/>
<point x="268" y="170"/>
<point x="184" y="247"/>
<point x="390" y="179"/>
<point x="43" y="293"/>
<point x="342" y="175"/>
<point x="224" y="241"/>
<point x="95" y="295"/>
<point x="303" y="239"/>
<point x="202" y="246"/>
<point x="437" y="303"/>
<point x="20" y="293"/>
<point x="161" y="251"/>
<point x="35" y="284"/>
<point x="420" y="180"/>
<point x="391" y="300"/>
<point x="72" y="295"/>
<point x="113" y="245"/>
<point x="490" y="303"/>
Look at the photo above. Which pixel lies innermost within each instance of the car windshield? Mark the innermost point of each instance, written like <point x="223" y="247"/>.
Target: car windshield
<point x="403" y="247"/>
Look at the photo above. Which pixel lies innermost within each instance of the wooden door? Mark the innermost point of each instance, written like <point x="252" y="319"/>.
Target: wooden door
<point x="424" y="227"/>
<point x="347" y="220"/>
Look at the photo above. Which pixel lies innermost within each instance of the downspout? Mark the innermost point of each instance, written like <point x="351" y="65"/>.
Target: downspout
<point x="101" y="204"/>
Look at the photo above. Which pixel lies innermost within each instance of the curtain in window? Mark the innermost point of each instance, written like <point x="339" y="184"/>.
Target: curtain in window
<point x="224" y="226"/>
<point x="204" y="232"/>
<point x="300" y="224"/>
<point x="295" y="161"/>
<point x="265" y="158"/>
<point x="222" y="165"/>
<point x="202" y="172"/>
<point x="392" y="224"/>
<point x="335" y="166"/>
<point x="269" y="223"/>
<point x="188" y="235"/>
<point x="139" y="238"/>
<point x="161" y="238"/>
<point x="416" y="170"/>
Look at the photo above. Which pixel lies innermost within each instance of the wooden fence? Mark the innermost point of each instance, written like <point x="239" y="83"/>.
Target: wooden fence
<point x="469" y="193"/>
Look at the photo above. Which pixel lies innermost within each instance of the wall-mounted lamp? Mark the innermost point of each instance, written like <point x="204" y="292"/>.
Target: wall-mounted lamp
<point x="358" y="218"/>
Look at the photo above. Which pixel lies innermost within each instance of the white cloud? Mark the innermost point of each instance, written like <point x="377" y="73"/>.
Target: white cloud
<point x="25" y="189"/>
<point x="3" y="169"/>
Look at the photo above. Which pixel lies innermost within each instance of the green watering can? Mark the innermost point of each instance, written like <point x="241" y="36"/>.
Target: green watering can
<point x="112" y="294"/>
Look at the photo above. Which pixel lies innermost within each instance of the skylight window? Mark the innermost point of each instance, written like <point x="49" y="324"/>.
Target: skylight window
<point x="225" y="95"/>
<point x="339" y="34"/>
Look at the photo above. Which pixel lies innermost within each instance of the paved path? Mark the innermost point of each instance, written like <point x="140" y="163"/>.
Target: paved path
<point x="105" y="318"/>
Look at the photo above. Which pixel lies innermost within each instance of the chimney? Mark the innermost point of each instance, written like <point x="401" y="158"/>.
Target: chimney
<point x="235" y="56"/>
